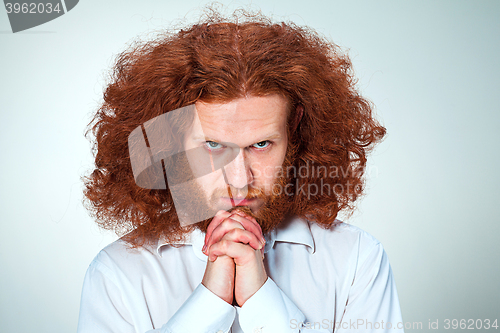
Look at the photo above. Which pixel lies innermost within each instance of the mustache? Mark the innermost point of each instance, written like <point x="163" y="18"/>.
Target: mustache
<point x="233" y="192"/>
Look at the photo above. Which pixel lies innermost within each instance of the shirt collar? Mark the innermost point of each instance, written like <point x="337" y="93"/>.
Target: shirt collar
<point x="294" y="230"/>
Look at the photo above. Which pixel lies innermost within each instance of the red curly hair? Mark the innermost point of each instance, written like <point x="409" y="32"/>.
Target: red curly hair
<point x="218" y="60"/>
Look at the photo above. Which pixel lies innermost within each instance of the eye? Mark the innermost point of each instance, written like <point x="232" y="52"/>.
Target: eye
<point x="262" y="144"/>
<point x="212" y="145"/>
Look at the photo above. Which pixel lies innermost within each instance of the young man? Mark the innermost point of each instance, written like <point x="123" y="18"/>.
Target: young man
<point x="226" y="151"/>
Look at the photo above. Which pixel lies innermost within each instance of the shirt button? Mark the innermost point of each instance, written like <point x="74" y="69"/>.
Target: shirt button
<point x="220" y="331"/>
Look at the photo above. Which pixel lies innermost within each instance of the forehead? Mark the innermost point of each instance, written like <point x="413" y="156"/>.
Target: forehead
<point x="244" y="121"/>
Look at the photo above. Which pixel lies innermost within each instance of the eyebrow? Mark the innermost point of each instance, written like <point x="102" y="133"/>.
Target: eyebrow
<point x="206" y="138"/>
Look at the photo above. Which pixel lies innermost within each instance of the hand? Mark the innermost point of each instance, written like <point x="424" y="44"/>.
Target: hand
<point x="219" y="274"/>
<point x="220" y="226"/>
<point x="226" y="237"/>
<point x="219" y="278"/>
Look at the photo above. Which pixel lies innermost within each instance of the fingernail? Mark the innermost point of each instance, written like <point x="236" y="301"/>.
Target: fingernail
<point x="260" y="246"/>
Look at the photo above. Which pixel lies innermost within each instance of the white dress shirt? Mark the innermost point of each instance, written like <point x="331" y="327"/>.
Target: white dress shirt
<point x="318" y="281"/>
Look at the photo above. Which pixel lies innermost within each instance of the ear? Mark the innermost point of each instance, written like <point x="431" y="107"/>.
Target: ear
<point x="299" y="111"/>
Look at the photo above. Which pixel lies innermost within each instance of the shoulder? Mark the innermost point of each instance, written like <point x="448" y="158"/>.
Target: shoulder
<point x="350" y="248"/>
<point x="346" y="245"/>
<point x="120" y="256"/>
<point x="121" y="250"/>
<point x="343" y="236"/>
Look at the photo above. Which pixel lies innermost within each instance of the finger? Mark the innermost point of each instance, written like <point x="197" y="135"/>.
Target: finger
<point x="218" y="218"/>
<point x="249" y="223"/>
<point x="242" y="236"/>
<point x="225" y="226"/>
<point x="237" y="251"/>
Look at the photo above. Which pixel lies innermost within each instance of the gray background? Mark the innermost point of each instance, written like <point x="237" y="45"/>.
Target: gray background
<point x="431" y="68"/>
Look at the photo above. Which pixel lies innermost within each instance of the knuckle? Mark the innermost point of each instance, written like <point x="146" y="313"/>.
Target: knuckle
<point x="234" y="232"/>
<point x="230" y="223"/>
<point x="225" y="225"/>
<point x="238" y="234"/>
<point x="221" y="213"/>
<point x="224" y="244"/>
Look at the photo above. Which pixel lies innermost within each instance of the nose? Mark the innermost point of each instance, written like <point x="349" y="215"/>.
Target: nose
<point x="238" y="172"/>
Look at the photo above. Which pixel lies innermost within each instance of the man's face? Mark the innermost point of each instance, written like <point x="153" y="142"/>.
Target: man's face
<point x="256" y="129"/>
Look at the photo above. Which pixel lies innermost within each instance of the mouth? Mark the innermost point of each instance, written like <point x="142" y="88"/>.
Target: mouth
<point x="242" y="201"/>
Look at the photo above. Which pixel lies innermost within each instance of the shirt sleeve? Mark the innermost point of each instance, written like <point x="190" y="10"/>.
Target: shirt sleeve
<point x="373" y="304"/>
<point x="269" y="310"/>
<point x="202" y="312"/>
<point x="105" y="308"/>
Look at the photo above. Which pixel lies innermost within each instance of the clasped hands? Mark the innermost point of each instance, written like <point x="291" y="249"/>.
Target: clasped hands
<point x="234" y="245"/>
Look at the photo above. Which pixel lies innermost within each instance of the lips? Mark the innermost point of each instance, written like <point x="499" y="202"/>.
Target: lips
<point x="238" y="201"/>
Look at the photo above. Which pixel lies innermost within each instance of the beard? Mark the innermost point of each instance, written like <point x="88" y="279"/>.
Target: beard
<point x="274" y="209"/>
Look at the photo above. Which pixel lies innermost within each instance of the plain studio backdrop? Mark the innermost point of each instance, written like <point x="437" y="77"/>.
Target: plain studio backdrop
<point x="430" y="67"/>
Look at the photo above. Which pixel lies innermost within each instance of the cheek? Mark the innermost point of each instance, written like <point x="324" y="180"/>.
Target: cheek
<point x="210" y="182"/>
<point x="269" y="170"/>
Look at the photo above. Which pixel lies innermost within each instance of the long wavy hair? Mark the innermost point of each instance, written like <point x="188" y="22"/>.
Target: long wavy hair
<point x="218" y="60"/>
